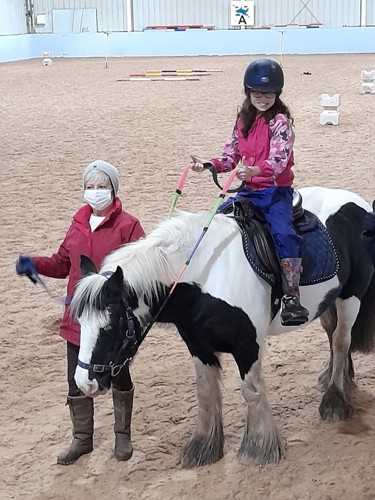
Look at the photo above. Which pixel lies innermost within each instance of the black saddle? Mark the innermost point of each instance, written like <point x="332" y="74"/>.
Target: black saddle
<point x="255" y="230"/>
<point x="319" y="258"/>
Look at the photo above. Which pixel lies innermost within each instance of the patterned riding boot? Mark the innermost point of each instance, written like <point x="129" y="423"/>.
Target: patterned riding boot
<point x="292" y="312"/>
<point x="82" y="416"/>
<point x="123" y="407"/>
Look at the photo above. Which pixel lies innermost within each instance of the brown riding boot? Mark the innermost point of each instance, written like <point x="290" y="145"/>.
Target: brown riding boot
<point x="292" y="312"/>
<point x="123" y="407"/>
<point x="82" y="416"/>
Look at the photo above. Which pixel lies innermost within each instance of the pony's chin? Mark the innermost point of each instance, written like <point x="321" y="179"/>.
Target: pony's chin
<point x="93" y="392"/>
<point x="92" y="389"/>
<point x="99" y="392"/>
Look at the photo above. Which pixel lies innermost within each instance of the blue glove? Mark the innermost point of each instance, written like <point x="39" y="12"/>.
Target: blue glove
<point x="25" y="266"/>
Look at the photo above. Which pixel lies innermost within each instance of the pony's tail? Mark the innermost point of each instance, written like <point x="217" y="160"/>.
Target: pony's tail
<point x="363" y="331"/>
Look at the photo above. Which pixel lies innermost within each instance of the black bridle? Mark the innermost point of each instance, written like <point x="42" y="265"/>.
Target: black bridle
<point x="129" y="338"/>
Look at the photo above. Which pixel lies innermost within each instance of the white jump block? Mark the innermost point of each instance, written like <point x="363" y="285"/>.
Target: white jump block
<point x="367" y="88"/>
<point x="330" y="115"/>
<point x="368" y="76"/>
<point x="330" y="101"/>
<point x="47" y="60"/>
<point x="367" y="82"/>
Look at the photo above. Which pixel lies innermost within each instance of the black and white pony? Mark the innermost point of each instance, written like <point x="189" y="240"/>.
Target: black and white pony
<point x="222" y="305"/>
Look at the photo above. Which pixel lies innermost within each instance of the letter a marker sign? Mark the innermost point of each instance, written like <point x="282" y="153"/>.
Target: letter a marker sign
<point x="242" y="13"/>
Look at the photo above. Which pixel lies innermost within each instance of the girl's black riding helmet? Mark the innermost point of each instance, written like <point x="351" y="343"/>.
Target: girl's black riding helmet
<point x="264" y="75"/>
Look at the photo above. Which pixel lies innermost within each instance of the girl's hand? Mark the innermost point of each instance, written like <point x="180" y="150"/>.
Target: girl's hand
<point x="196" y="164"/>
<point x="244" y="172"/>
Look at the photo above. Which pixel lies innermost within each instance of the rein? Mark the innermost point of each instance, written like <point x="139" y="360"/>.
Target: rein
<point x="181" y="183"/>
<point x="211" y="167"/>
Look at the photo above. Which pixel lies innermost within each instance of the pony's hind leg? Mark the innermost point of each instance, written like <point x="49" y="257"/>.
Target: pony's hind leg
<point x="328" y="321"/>
<point x="336" y="403"/>
<point x="206" y="445"/>
<point x="261" y="443"/>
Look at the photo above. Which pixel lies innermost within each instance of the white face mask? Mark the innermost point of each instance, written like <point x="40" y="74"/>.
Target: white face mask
<point x="98" y="199"/>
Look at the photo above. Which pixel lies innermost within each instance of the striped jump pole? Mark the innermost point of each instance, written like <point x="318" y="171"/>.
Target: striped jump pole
<point x="160" y="79"/>
<point x="149" y="73"/>
<point x="186" y="70"/>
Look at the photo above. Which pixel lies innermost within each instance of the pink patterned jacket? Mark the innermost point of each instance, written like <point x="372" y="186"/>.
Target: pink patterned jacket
<point x="269" y="146"/>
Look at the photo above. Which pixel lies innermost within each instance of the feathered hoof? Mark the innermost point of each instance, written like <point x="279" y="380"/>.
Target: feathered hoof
<point x="335" y="406"/>
<point x="257" y="450"/>
<point x="200" y="451"/>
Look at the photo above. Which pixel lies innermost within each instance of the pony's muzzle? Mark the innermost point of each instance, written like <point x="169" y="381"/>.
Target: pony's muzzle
<point x="89" y="387"/>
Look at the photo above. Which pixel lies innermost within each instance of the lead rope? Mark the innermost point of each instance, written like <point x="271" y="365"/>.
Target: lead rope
<point x="35" y="278"/>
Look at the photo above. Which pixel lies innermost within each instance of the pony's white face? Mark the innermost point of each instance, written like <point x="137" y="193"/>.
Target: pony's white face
<point x="90" y="332"/>
<point x="109" y="339"/>
<point x="109" y="333"/>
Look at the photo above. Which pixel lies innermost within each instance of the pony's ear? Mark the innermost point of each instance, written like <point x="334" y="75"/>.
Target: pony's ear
<point x="116" y="281"/>
<point x="87" y="266"/>
<point x="373" y="206"/>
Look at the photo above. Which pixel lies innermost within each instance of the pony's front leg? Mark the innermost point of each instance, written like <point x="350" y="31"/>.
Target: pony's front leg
<point x="261" y="443"/>
<point x="206" y="445"/>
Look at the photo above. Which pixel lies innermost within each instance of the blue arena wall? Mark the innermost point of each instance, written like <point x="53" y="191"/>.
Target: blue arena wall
<point x="298" y="40"/>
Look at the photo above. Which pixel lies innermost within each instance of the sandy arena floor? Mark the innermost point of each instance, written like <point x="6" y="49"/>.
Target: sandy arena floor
<point x="58" y="118"/>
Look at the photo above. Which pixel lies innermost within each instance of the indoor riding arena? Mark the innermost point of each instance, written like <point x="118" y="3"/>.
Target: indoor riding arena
<point x="62" y="110"/>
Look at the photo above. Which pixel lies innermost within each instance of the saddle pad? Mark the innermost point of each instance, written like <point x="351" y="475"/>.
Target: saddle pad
<point x="319" y="258"/>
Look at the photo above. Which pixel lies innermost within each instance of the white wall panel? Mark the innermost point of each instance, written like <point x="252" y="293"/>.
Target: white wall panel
<point x="12" y="17"/>
<point x="74" y="20"/>
<point x="111" y="14"/>
<point x="170" y="12"/>
<point x="327" y="12"/>
<point x="370" y="12"/>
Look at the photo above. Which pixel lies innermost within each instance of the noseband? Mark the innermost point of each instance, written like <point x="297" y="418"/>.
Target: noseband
<point x="129" y="335"/>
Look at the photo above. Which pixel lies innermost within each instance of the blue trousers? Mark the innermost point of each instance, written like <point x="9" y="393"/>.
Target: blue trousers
<point x="276" y="204"/>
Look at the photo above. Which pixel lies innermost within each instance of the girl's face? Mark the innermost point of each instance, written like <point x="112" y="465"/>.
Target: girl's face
<point x="262" y="101"/>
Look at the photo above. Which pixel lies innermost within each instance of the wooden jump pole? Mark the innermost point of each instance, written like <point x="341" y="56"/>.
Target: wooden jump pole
<point x="184" y="71"/>
<point x="147" y="73"/>
<point x="160" y="79"/>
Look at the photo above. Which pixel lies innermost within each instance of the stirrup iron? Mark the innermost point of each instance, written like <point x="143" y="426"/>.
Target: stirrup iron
<point x="292" y="312"/>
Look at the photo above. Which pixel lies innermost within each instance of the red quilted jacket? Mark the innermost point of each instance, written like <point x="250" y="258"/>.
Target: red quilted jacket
<point x="118" y="228"/>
